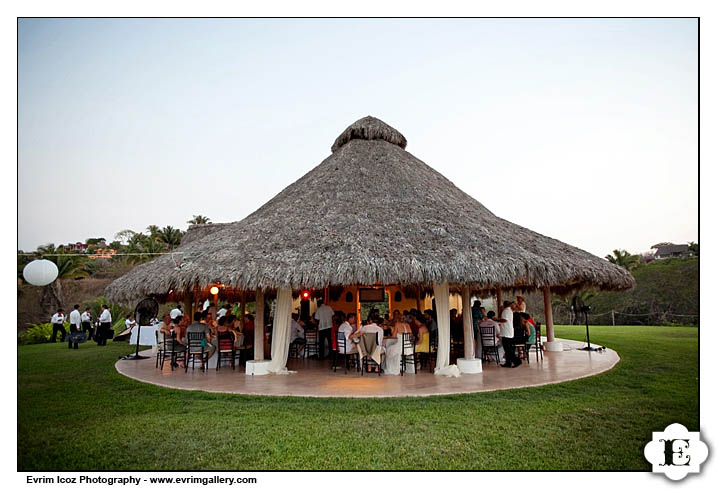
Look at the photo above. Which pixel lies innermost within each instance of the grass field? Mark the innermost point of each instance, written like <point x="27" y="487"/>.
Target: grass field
<point x="75" y="412"/>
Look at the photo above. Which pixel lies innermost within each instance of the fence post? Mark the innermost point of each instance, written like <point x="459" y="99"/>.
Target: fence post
<point x="613" y="318"/>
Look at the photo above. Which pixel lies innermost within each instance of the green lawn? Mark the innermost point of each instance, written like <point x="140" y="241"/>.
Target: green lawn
<point x="76" y="412"/>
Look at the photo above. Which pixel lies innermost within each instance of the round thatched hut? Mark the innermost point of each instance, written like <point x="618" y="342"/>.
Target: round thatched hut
<point x="372" y="214"/>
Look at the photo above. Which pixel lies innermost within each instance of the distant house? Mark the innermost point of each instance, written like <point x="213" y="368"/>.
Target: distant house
<point x="76" y="247"/>
<point x="667" y="251"/>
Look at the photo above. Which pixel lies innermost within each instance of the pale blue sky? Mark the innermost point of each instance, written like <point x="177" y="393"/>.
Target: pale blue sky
<point x="126" y="123"/>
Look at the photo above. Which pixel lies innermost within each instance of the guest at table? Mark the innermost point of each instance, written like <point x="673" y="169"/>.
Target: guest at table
<point x="371" y="328"/>
<point x="422" y="339"/>
<point x="223" y="311"/>
<point x="201" y="325"/>
<point x="248" y="330"/>
<point x="297" y="333"/>
<point x="347" y="328"/>
<point x="130" y="321"/>
<point x="180" y="344"/>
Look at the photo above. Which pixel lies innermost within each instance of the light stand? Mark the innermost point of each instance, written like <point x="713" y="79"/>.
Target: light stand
<point x="585" y="311"/>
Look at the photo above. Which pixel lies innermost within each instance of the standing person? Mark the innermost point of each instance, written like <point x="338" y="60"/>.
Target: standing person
<point x="75" y="325"/>
<point x="58" y="320"/>
<point x="324" y="315"/>
<point x="223" y="311"/>
<point x="520" y="304"/>
<point x="105" y="326"/>
<point x="507" y="335"/>
<point x="86" y="321"/>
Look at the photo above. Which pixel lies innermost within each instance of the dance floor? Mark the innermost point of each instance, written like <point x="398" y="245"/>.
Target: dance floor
<point x="315" y="378"/>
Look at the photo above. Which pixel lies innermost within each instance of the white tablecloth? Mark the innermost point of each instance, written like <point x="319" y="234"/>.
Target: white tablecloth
<point x="147" y="335"/>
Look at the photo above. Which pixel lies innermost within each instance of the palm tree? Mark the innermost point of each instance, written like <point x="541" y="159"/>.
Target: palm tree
<point x="153" y="230"/>
<point x="198" y="219"/>
<point x="624" y="259"/>
<point x="171" y="236"/>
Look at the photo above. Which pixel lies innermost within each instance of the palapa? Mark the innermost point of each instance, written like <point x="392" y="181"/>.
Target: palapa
<point x="371" y="213"/>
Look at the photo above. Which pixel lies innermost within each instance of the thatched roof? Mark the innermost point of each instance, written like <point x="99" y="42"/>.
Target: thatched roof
<point x="195" y="232"/>
<point x="372" y="213"/>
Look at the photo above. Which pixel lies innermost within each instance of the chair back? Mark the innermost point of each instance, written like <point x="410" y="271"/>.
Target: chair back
<point x="311" y="336"/>
<point x="407" y="343"/>
<point x="538" y="333"/>
<point x="341" y="343"/>
<point x="194" y="341"/>
<point x="225" y="342"/>
<point x="488" y="336"/>
<point x="170" y="341"/>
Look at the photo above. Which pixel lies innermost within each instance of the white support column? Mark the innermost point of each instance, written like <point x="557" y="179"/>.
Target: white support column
<point x="551" y="345"/>
<point x="259" y="327"/>
<point x="441" y="294"/>
<point x="468" y="364"/>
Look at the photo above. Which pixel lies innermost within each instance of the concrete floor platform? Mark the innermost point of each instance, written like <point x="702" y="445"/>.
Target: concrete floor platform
<point x="314" y="378"/>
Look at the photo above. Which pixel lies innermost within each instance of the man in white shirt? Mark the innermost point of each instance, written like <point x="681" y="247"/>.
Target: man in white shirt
<point x="75" y="324"/>
<point x="324" y="315"/>
<point x="347" y="328"/>
<point x="222" y="311"/>
<point x="105" y="326"/>
<point x="86" y="322"/>
<point x="57" y="320"/>
<point x="506" y="332"/>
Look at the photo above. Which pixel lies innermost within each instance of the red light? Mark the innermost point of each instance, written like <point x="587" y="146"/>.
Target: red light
<point x="305" y="294"/>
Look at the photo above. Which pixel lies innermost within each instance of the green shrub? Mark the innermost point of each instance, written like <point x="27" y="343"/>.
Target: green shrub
<point x="38" y="333"/>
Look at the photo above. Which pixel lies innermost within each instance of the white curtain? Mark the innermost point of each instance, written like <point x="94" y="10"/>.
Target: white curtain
<point x="281" y="332"/>
<point x="259" y="327"/>
<point x="468" y="323"/>
<point x="441" y="294"/>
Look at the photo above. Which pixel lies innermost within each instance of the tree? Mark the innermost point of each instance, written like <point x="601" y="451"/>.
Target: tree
<point x="154" y="231"/>
<point x="94" y="241"/>
<point x="624" y="259"/>
<point x="198" y="219"/>
<point x="124" y="236"/>
<point x="171" y="236"/>
<point x="693" y="247"/>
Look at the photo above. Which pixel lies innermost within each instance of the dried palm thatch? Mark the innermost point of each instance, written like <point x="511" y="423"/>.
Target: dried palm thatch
<point x="201" y="230"/>
<point x="372" y="213"/>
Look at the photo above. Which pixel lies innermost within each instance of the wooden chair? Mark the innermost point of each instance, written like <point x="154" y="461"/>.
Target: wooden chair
<point x="170" y="348"/>
<point x="311" y="348"/>
<point x="225" y="348"/>
<point x="350" y="360"/>
<point x="428" y="359"/>
<point x="537" y="345"/>
<point x="367" y="361"/>
<point x="408" y="352"/>
<point x="196" y="347"/>
<point x="489" y="344"/>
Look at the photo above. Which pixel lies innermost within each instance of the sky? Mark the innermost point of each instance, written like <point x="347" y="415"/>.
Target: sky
<point x="584" y="130"/>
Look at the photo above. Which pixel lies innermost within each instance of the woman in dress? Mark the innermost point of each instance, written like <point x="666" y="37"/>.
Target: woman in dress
<point x="394" y="348"/>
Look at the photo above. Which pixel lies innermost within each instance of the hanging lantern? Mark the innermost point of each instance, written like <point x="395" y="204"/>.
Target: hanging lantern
<point x="214" y="290"/>
<point x="40" y="272"/>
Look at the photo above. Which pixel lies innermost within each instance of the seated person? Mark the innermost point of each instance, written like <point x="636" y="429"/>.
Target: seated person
<point x="179" y="344"/>
<point x="529" y="329"/>
<point x="297" y="334"/>
<point x="422" y="341"/>
<point x="347" y="328"/>
<point x="372" y="327"/>
<point x="400" y="326"/>
<point x="201" y="326"/>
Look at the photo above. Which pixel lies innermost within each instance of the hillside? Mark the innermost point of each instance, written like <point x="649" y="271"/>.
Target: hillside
<point x="665" y="291"/>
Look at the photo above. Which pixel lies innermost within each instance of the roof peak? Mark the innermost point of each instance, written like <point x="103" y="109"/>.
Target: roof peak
<point x="369" y="128"/>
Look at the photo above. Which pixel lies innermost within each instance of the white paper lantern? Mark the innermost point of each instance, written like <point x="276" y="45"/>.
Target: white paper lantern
<point x="40" y="272"/>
